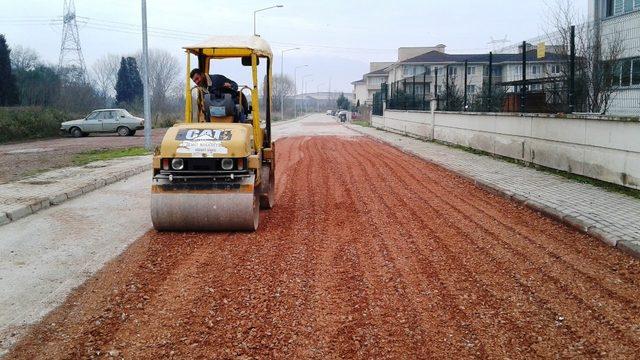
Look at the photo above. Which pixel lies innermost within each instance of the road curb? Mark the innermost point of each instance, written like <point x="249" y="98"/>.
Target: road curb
<point x="41" y="203"/>
<point x="583" y="226"/>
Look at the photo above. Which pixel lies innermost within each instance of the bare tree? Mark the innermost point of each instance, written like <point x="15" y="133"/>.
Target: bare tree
<point x="24" y="59"/>
<point x="283" y="87"/>
<point x="164" y="69"/>
<point x="104" y="73"/>
<point x="597" y="55"/>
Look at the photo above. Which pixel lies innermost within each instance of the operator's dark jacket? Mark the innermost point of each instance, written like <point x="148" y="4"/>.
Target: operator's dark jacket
<point x="215" y="85"/>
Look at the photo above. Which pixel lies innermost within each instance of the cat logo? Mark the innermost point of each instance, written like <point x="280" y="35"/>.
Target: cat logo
<point x="204" y="135"/>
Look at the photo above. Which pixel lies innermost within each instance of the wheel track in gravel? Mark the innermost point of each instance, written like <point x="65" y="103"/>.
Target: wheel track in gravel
<point x="369" y="253"/>
<point x="466" y="215"/>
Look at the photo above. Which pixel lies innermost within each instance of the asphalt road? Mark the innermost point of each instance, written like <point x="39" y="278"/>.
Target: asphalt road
<point x="369" y="253"/>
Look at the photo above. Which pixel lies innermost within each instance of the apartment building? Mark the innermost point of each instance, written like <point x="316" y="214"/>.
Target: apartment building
<point x="370" y="83"/>
<point x="428" y="70"/>
<point x="619" y="20"/>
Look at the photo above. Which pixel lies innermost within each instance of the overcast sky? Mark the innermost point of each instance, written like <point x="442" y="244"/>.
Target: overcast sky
<point x="338" y="38"/>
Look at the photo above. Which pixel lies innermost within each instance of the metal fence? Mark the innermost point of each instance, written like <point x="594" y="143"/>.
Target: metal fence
<point x="588" y="68"/>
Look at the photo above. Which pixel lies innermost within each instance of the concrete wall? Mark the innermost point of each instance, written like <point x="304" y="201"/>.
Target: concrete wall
<point x="601" y="148"/>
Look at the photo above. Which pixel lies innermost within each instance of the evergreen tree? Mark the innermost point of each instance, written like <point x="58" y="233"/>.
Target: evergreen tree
<point x="8" y="88"/>
<point x="342" y="102"/>
<point x="129" y="84"/>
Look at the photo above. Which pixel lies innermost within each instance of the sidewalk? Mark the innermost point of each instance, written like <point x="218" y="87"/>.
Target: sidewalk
<point x="27" y="196"/>
<point x="611" y="217"/>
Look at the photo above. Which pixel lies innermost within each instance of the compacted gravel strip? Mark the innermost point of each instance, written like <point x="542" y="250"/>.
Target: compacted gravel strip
<point x="369" y="253"/>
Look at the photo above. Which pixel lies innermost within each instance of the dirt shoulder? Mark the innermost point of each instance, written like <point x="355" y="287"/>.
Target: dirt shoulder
<point x="369" y="253"/>
<point x="19" y="160"/>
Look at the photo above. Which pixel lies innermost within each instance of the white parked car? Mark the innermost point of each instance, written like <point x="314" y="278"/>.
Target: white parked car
<point x="105" y="121"/>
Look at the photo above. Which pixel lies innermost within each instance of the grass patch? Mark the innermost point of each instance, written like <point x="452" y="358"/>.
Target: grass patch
<point x="575" y="177"/>
<point x="361" y="123"/>
<point x="97" y="155"/>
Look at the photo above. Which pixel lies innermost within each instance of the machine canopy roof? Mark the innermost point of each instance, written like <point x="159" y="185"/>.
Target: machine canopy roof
<point x="255" y="43"/>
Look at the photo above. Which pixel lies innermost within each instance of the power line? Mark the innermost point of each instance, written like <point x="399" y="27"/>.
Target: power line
<point x="70" y="49"/>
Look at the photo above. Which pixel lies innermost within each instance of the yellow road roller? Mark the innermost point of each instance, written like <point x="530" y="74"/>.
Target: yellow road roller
<point x="215" y="171"/>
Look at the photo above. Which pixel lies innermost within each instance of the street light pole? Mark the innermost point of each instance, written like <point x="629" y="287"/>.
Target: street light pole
<point x="282" y="79"/>
<point x="304" y="90"/>
<point x="257" y="11"/>
<point x="295" y="85"/>
<point x="145" y="80"/>
<point x="318" y="94"/>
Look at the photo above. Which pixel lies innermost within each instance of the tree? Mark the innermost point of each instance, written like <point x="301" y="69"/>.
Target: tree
<point x="283" y="86"/>
<point x="342" y="102"/>
<point x="8" y="87"/>
<point x="23" y="58"/>
<point x="40" y="86"/>
<point x="129" y="84"/>
<point x="598" y="56"/>
<point x="453" y="98"/>
<point x="105" y="73"/>
<point x="164" y="69"/>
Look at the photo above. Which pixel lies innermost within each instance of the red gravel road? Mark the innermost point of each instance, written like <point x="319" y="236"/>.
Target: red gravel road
<point x="18" y="160"/>
<point x="369" y="253"/>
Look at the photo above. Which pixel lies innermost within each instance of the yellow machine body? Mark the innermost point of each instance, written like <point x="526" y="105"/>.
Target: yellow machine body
<point x="215" y="176"/>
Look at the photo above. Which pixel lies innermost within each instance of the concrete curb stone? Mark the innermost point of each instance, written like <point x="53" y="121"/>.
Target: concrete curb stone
<point x="629" y="247"/>
<point x="26" y="209"/>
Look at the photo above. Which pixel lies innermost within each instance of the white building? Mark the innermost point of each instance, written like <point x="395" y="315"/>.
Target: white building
<point x="371" y="82"/>
<point x="430" y="69"/>
<point x="620" y="19"/>
<point x="360" y="93"/>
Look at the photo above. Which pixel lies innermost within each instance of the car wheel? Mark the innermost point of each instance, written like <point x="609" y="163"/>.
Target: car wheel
<point x="133" y="132"/>
<point x="123" y="131"/>
<point x="75" y="132"/>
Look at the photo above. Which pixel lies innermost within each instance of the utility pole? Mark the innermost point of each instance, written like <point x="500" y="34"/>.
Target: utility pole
<point x="145" y="80"/>
<point x="490" y="90"/>
<point x="466" y="68"/>
<point x="523" y="90"/>
<point x="282" y="80"/>
<point x="318" y="99"/>
<point x="70" y="50"/>
<point x="572" y="71"/>
<point x="295" y="85"/>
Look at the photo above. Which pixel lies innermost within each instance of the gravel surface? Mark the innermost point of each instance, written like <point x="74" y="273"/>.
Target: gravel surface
<point x="27" y="158"/>
<point x="369" y="253"/>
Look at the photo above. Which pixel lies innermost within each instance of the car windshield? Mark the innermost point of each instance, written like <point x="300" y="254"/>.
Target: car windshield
<point x="93" y="115"/>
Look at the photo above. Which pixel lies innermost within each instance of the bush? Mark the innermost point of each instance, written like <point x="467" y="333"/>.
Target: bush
<point x="29" y="123"/>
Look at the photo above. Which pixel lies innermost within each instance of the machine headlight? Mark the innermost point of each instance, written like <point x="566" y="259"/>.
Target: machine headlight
<point x="227" y="164"/>
<point x="177" y="164"/>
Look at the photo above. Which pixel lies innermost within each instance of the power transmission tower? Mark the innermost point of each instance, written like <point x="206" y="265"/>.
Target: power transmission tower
<point x="71" y="59"/>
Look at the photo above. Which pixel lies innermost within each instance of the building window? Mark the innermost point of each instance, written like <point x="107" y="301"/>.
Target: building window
<point x="620" y="7"/>
<point x="471" y="89"/>
<point x="628" y="6"/>
<point x="535" y="69"/>
<point x="635" y="72"/>
<point x="471" y="70"/>
<point x="536" y="87"/>
<point x="427" y="70"/>
<point x="555" y="69"/>
<point x="427" y="87"/>
<point x="453" y="71"/>
<point x="608" y="11"/>
<point x="625" y="73"/>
